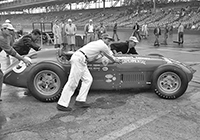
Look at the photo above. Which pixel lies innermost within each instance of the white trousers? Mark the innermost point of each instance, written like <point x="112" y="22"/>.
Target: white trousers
<point x="79" y="71"/>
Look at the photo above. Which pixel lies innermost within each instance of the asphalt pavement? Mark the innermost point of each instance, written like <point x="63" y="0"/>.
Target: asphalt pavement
<point x="125" y="115"/>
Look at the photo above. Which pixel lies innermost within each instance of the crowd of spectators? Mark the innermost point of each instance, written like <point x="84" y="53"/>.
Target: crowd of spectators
<point x="187" y="14"/>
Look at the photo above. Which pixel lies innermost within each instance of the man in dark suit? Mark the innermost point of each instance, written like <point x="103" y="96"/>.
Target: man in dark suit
<point x="157" y="33"/>
<point x="127" y="47"/>
<point x="26" y="42"/>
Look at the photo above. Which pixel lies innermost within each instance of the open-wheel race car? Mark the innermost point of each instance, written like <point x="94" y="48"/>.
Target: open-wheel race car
<point x="50" y="68"/>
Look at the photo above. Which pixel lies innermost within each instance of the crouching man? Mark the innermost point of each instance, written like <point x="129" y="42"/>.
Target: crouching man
<point x="127" y="47"/>
<point x="26" y="42"/>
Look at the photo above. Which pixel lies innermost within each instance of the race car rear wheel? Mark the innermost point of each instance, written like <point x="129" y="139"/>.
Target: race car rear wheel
<point x="169" y="82"/>
<point x="46" y="82"/>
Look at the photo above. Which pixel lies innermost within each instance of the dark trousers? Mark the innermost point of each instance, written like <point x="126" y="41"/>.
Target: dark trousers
<point x="180" y="38"/>
<point x="137" y="35"/>
<point x="156" y="42"/>
<point x="115" y="34"/>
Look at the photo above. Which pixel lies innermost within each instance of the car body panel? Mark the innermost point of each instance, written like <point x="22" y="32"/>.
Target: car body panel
<point x="135" y="71"/>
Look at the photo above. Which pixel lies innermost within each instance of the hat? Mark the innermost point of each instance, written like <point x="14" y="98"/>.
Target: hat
<point x="36" y="32"/>
<point x="8" y="26"/>
<point x="7" y="21"/>
<point x="69" y="20"/>
<point x="133" y="38"/>
<point x="90" y="20"/>
<point x="106" y="36"/>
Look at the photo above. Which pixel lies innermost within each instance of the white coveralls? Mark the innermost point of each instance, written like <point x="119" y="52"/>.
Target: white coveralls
<point x="79" y="70"/>
<point x="57" y="34"/>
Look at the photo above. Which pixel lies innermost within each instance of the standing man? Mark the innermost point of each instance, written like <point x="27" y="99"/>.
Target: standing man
<point x="180" y="33"/>
<point x="101" y="30"/>
<point x="166" y="31"/>
<point x="89" y="30"/>
<point x="145" y="30"/>
<point x="12" y="35"/>
<point x="79" y="71"/>
<point x="26" y="42"/>
<point x="157" y="33"/>
<point x="57" y="34"/>
<point x="127" y="47"/>
<point x="63" y="34"/>
<point x="136" y="31"/>
<point x="71" y="30"/>
<point x="5" y="32"/>
<point x="115" y="32"/>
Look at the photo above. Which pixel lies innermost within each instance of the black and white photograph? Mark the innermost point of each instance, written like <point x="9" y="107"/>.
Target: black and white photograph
<point x="99" y="69"/>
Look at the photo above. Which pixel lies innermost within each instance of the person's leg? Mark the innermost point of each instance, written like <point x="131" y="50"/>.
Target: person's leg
<point x="1" y="83"/>
<point x="182" y="38"/>
<point x="155" y="42"/>
<point x="72" y="83"/>
<point x="179" y="38"/>
<point x="158" y="40"/>
<point x="85" y="86"/>
<point x="73" y="47"/>
<point x="117" y="36"/>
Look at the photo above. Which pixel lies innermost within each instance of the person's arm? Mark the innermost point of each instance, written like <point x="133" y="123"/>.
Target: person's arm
<point x="112" y="58"/>
<point x="9" y="50"/>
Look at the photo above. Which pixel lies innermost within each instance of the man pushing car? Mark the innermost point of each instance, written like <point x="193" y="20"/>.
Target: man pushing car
<point x="26" y="42"/>
<point x="5" y="32"/>
<point x="79" y="71"/>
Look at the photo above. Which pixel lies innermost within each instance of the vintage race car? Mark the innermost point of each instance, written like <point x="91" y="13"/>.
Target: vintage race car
<point x="50" y="68"/>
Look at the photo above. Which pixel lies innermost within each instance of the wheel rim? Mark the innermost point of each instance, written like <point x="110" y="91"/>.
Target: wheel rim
<point x="169" y="82"/>
<point x="47" y="82"/>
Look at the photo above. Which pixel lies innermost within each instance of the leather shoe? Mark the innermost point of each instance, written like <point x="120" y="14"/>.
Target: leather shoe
<point x="81" y="104"/>
<point x="63" y="108"/>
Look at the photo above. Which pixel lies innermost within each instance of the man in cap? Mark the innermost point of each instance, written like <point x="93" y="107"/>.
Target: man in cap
<point x="127" y="47"/>
<point x="101" y="30"/>
<point x="26" y="42"/>
<point x="7" y="21"/>
<point x="6" y="30"/>
<point x="79" y="71"/>
<point x="89" y="30"/>
<point x="71" y="30"/>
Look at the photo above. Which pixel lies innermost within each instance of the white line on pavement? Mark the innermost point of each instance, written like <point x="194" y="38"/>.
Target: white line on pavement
<point x="133" y="126"/>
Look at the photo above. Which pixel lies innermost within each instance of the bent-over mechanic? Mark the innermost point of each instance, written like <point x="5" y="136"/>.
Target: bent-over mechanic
<point x="127" y="47"/>
<point x="5" y="33"/>
<point x="26" y="42"/>
<point x="79" y="71"/>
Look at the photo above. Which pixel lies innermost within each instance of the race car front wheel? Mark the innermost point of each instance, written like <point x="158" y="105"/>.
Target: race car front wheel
<point x="169" y="82"/>
<point x="46" y="82"/>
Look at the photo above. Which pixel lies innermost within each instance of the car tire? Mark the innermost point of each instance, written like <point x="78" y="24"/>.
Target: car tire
<point x="46" y="81"/>
<point x="169" y="82"/>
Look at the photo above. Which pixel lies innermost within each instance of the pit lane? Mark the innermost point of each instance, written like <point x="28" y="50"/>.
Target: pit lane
<point x="120" y="115"/>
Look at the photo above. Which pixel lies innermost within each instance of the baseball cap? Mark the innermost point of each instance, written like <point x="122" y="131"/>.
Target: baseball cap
<point x="90" y="20"/>
<point x="133" y="38"/>
<point x="8" y="26"/>
<point x="107" y="36"/>
<point x="69" y="20"/>
<point x="7" y="21"/>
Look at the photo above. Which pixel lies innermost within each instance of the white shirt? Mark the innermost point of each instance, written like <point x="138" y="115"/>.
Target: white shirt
<point x="180" y="28"/>
<point x="90" y="28"/>
<point x="94" y="48"/>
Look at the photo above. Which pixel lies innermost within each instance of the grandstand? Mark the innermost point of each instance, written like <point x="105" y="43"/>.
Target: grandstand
<point x="125" y="12"/>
